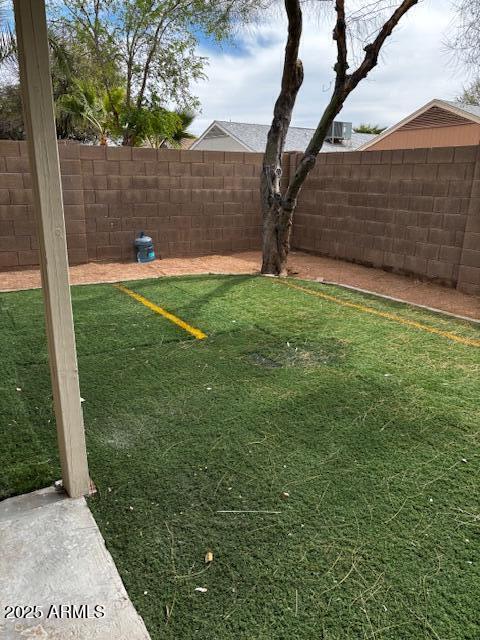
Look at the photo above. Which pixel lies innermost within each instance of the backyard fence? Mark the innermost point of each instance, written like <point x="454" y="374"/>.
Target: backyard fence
<point x="190" y="202"/>
<point x="414" y="211"/>
<point x="410" y="211"/>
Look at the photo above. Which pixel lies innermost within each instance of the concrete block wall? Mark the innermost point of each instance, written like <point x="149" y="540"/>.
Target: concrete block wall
<point x="469" y="267"/>
<point x="190" y="202"/>
<point x="409" y="211"/>
<point x="18" y="236"/>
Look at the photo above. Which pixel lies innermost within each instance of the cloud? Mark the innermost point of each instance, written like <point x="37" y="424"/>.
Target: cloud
<point x="414" y="68"/>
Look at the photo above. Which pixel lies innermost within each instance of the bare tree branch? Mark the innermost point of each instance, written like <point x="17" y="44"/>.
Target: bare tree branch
<point x="464" y="40"/>
<point x="292" y="79"/>
<point x="340" y="36"/>
<point x="372" y="50"/>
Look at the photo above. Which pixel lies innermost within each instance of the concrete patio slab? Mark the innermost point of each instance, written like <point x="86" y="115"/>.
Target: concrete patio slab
<point x="54" y="565"/>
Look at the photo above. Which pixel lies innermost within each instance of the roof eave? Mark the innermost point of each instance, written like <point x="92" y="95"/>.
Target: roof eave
<point x="216" y="123"/>
<point x="436" y="102"/>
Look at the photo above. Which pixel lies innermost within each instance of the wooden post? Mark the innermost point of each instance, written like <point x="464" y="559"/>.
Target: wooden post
<point x="36" y="84"/>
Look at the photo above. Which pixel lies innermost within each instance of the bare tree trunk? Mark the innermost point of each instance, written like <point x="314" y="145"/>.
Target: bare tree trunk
<point x="278" y="209"/>
<point x="276" y="228"/>
<point x="272" y="261"/>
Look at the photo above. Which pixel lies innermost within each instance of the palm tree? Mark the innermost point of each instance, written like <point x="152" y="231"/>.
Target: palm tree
<point x="85" y="106"/>
<point x="187" y="117"/>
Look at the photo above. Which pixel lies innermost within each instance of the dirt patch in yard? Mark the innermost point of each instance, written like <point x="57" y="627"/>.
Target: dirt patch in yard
<point x="302" y="265"/>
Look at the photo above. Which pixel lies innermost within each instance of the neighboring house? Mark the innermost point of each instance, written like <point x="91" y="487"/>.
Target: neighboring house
<point x="240" y="136"/>
<point x="439" y="123"/>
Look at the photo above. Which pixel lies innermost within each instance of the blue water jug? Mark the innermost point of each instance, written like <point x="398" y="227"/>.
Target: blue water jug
<point x="145" y="248"/>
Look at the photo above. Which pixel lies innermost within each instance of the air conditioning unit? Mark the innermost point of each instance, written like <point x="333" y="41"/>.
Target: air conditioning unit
<point x="339" y="131"/>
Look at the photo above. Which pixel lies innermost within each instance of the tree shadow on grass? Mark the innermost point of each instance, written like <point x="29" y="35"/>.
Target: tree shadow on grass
<point x="199" y="302"/>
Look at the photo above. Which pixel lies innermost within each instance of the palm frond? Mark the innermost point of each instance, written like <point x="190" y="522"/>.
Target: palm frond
<point x="60" y="55"/>
<point x="186" y="117"/>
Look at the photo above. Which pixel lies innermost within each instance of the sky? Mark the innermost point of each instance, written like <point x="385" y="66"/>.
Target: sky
<point x="244" y="77"/>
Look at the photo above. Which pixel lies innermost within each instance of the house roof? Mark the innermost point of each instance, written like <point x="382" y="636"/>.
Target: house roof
<point x="471" y="109"/>
<point x="254" y="137"/>
<point x="461" y="110"/>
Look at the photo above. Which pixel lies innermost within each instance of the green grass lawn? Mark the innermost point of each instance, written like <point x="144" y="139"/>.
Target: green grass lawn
<point x="372" y="428"/>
